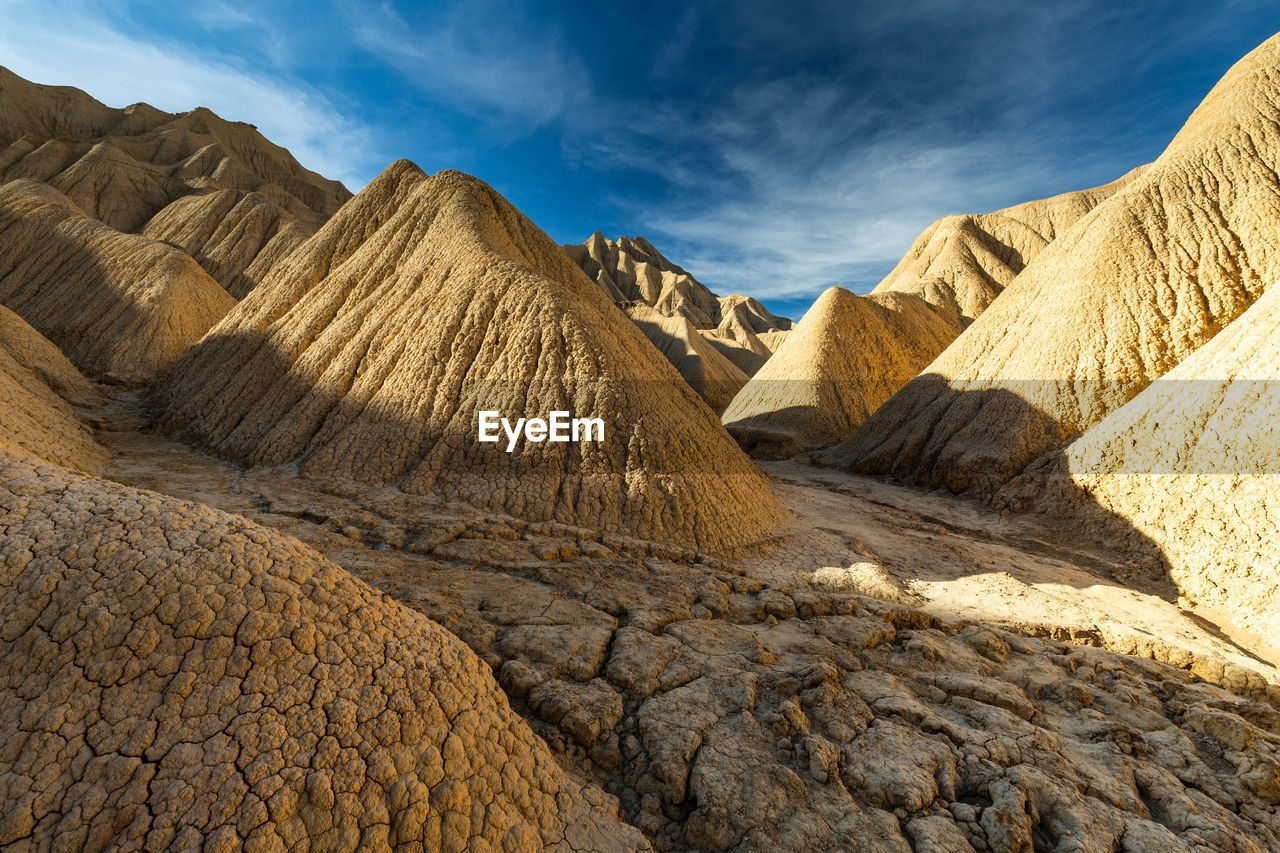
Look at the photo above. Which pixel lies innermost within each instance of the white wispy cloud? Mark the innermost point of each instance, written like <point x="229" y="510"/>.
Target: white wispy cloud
<point x="485" y="58"/>
<point x="84" y="45"/>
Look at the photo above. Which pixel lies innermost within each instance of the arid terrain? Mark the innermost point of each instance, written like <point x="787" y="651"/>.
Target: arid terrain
<point x="983" y="560"/>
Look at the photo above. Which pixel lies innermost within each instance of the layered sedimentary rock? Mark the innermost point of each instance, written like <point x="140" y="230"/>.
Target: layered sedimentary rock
<point x="126" y="166"/>
<point x="236" y="237"/>
<point x="370" y="351"/>
<point x="36" y="384"/>
<point x="960" y="264"/>
<point x="848" y="355"/>
<point x="631" y="270"/>
<point x="714" y="377"/>
<point x="1117" y="300"/>
<point x="1192" y="465"/>
<point x="174" y="677"/>
<point x="120" y="306"/>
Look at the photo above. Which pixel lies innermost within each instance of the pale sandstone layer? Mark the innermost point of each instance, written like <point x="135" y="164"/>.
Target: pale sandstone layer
<point x="1192" y="467"/>
<point x="1117" y="300"/>
<point x="122" y="307"/>
<point x="36" y="384"/>
<point x="708" y="372"/>
<point x="176" y="677"/>
<point x="137" y="168"/>
<point x="631" y="270"/>
<point x="960" y="264"/>
<point x="848" y="355"/>
<point x="369" y="352"/>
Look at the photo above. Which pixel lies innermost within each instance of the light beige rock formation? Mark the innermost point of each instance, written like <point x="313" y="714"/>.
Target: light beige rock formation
<point x="714" y="377"/>
<point x="1117" y="300"/>
<point x="1191" y="466"/>
<point x="632" y="270"/>
<point x="236" y="237"/>
<point x="848" y="355"/>
<point x="126" y="167"/>
<point x="36" y="384"/>
<point x="122" y="307"/>
<point x="370" y="351"/>
<point x="960" y="264"/>
<point x="174" y="678"/>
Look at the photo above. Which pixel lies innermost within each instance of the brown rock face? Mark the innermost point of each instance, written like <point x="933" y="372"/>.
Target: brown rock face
<point x="36" y="383"/>
<point x="120" y="306"/>
<point x="1118" y="299"/>
<point x="126" y="166"/>
<point x="848" y="355"/>
<point x="633" y="271"/>
<point x="960" y="264"/>
<point x="236" y="237"/>
<point x="711" y="374"/>
<point x="426" y="300"/>
<point x="1193" y="464"/>
<point x="175" y="677"/>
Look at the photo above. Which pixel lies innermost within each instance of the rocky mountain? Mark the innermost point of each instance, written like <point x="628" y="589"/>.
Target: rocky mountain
<point x="371" y="350"/>
<point x="849" y="354"/>
<point x="708" y="372"/>
<point x="631" y="271"/>
<point x="1116" y="301"/>
<point x="125" y="167"/>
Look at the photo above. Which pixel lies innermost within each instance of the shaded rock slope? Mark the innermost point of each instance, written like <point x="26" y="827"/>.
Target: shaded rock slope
<point x="632" y="270"/>
<point x="1193" y="464"/>
<point x="122" y="307"/>
<point x="848" y="355"/>
<point x="126" y="166"/>
<point x="708" y="372"/>
<point x="1117" y="300"/>
<point x="368" y="354"/>
<point x="37" y="383"/>
<point x="175" y="678"/>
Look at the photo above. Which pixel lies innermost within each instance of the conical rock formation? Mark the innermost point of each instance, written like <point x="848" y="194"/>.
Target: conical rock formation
<point x="631" y="269"/>
<point x="172" y="677"/>
<point x="369" y="353"/>
<point x="120" y="306"/>
<point x="1193" y="465"/>
<point x="1116" y="301"/>
<point x="714" y="377"/>
<point x="236" y="237"/>
<point x="960" y="264"/>
<point x="36" y="384"/>
<point x="848" y="355"/>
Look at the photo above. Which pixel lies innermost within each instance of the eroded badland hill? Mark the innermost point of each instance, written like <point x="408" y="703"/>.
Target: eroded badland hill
<point x="264" y="589"/>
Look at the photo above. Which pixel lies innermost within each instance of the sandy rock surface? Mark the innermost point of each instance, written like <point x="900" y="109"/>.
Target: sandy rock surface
<point x="848" y="355"/>
<point x="1116" y="301"/>
<point x="175" y="677"/>
<point x="122" y="307"/>
<point x="368" y="354"/>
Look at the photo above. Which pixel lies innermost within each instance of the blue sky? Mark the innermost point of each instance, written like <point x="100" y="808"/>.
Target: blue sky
<point x="770" y="148"/>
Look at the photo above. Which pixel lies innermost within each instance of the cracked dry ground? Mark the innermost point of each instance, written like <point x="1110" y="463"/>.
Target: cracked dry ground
<point x="729" y="711"/>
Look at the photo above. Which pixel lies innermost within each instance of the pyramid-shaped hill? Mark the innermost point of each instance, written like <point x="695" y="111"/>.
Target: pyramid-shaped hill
<point x="120" y="306"/>
<point x="202" y="682"/>
<point x="216" y="188"/>
<point x="37" y="384"/>
<point x="1117" y="300"/>
<point x="960" y="264"/>
<point x="714" y="377"/>
<point x="368" y="354"/>
<point x="848" y="355"/>
<point x="1192" y="465"/>
<point x="236" y="237"/>
<point x="632" y="270"/>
